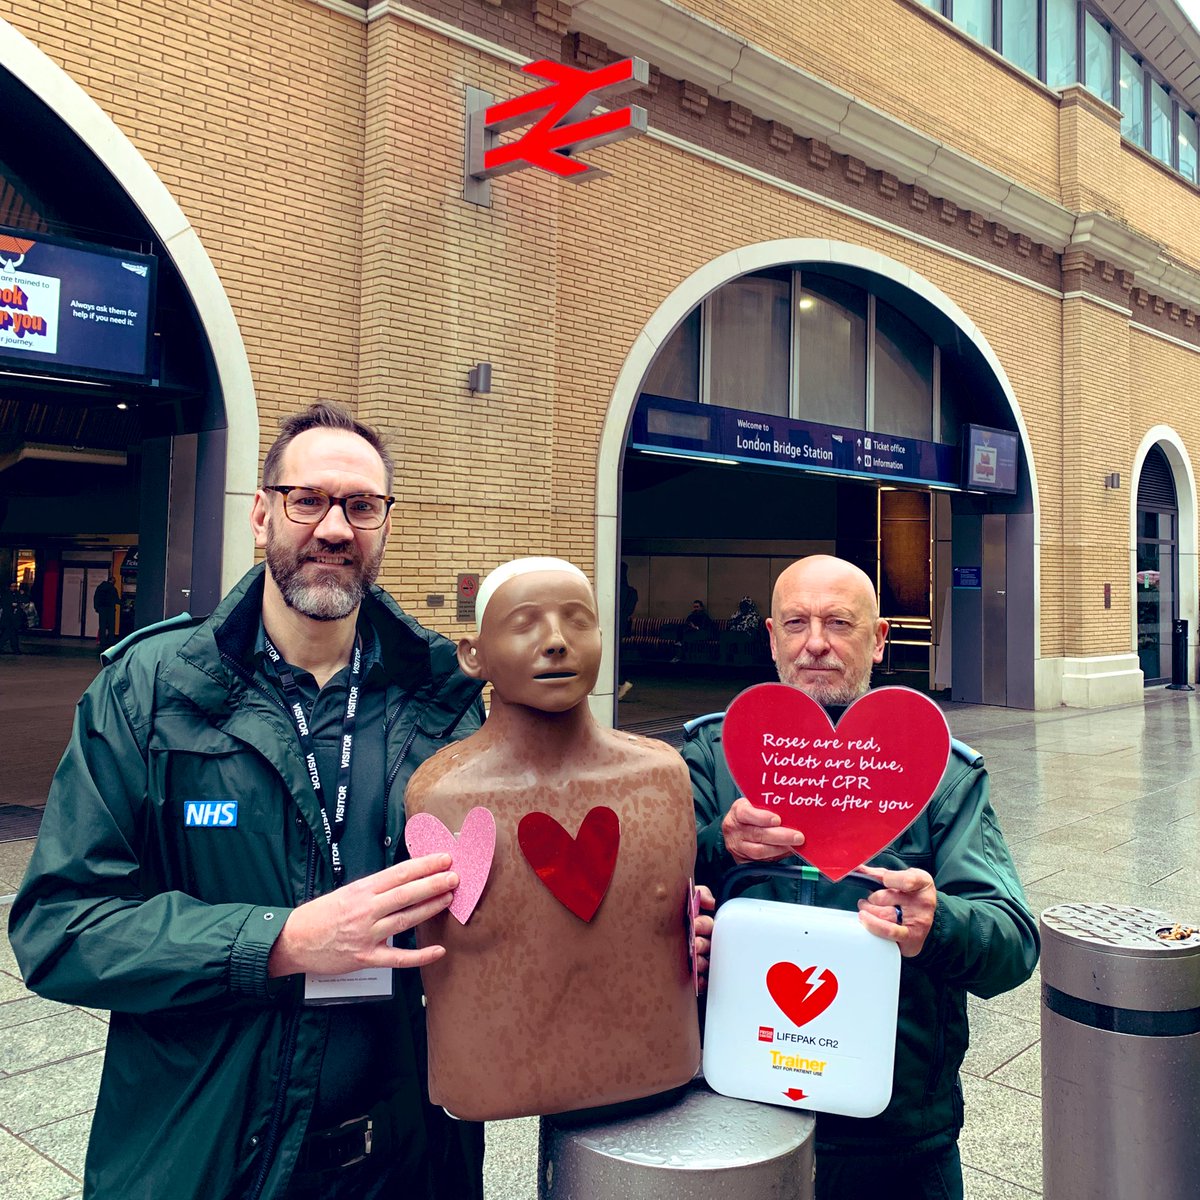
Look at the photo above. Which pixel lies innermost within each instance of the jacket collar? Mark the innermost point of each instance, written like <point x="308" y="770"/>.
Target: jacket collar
<point x="210" y="663"/>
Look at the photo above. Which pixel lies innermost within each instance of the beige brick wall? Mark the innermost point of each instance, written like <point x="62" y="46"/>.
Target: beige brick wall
<point x="1158" y="203"/>
<point x="898" y="58"/>
<point x="1095" y="533"/>
<point x="320" y="161"/>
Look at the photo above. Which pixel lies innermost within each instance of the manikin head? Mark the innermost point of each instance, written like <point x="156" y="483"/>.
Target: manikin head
<point x="322" y="569"/>
<point x="539" y="635"/>
<point x="825" y="629"/>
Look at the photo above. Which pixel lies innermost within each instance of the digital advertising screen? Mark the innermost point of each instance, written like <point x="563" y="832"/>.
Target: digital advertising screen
<point x="989" y="460"/>
<point x="74" y="309"/>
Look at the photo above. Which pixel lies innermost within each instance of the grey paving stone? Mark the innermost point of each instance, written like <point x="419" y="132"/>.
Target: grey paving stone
<point x="996" y="1038"/>
<point x="1093" y="887"/>
<point x="11" y="987"/>
<point x="29" y="1175"/>
<point x="64" y="1142"/>
<point x="28" y="1008"/>
<point x="1036" y="859"/>
<point x="979" y="1186"/>
<point x="510" y="1163"/>
<point x="7" y="961"/>
<point x="46" y="1094"/>
<point x="1003" y="1132"/>
<point x="65" y="1035"/>
<point x="1024" y="1001"/>
<point x="1023" y="1072"/>
<point x="1087" y="837"/>
<point x="14" y="858"/>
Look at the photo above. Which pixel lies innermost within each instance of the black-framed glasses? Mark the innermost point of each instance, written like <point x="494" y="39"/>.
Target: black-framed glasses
<point x="308" y="506"/>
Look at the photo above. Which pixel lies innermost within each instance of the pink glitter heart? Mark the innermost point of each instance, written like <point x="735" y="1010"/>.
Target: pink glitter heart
<point x="472" y="851"/>
<point x="690" y="915"/>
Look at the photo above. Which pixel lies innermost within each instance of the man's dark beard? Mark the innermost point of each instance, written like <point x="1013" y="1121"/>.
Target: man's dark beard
<point x="323" y="594"/>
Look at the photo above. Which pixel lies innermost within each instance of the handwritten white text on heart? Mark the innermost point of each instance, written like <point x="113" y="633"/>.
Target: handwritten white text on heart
<point x="852" y="762"/>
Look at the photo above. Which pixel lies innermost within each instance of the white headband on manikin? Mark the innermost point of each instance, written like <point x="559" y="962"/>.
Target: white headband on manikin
<point x="510" y="570"/>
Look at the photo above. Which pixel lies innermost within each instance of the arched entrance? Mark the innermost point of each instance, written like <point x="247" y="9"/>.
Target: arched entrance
<point x="992" y="642"/>
<point x="172" y="452"/>
<point x="1163" y="553"/>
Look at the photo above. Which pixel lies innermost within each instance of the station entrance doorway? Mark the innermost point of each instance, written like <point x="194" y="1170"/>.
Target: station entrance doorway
<point x="826" y="408"/>
<point x="684" y="539"/>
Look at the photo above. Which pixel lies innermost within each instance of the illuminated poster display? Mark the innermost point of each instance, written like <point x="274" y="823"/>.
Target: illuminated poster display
<point x="71" y="308"/>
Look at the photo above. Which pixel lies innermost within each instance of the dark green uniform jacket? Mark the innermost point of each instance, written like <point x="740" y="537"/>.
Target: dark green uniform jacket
<point x="210" y="1071"/>
<point x="984" y="939"/>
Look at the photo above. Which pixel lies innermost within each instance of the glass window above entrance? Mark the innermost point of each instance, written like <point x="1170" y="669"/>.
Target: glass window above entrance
<point x="903" y="375"/>
<point x="748" y="344"/>
<point x="822" y="367"/>
<point x="831" y="345"/>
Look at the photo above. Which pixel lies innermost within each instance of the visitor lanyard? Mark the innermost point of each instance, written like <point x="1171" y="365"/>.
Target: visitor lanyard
<point x="291" y="693"/>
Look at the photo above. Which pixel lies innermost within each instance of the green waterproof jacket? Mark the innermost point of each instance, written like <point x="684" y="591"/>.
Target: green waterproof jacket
<point x="211" y="1070"/>
<point x="984" y="939"/>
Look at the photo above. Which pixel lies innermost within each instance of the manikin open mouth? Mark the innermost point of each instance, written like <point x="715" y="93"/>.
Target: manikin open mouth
<point x="557" y="675"/>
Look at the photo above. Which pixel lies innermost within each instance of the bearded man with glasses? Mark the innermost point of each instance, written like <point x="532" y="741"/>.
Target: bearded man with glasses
<point x="221" y="865"/>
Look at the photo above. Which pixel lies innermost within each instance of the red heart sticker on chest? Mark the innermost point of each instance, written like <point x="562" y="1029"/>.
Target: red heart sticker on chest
<point x="576" y="870"/>
<point x="851" y="790"/>
<point x="800" y="996"/>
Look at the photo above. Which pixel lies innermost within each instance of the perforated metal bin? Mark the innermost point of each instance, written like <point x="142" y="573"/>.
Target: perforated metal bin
<point x="1120" y="1054"/>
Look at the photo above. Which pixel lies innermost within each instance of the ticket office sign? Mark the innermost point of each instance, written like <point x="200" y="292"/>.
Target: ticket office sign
<point x="802" y="1006"/>
<point x="665" y="425"/>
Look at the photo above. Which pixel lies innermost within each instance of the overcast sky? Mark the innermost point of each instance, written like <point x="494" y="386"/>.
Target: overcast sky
<point x="1192" y="8"/>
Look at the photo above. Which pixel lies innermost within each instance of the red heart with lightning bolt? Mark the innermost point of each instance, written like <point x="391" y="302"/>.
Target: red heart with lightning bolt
<point x="800" y="997"/>
<point x="576" y="870"/>
<point x="851" y="790"/>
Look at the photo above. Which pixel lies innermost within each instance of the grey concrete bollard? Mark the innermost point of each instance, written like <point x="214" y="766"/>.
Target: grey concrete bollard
<point x="705" y="1147"/>
<point x="1120" y="1054"/>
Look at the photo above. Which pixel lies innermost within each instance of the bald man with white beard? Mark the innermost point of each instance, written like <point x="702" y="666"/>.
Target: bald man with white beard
<point x="948" y="892"/>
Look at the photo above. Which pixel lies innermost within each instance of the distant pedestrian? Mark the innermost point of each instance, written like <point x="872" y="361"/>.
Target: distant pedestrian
<point x="105" y="603"/>
<point x="28" y="608"/>
<point x="629" y="599"/>
<point x="11" y="620"/>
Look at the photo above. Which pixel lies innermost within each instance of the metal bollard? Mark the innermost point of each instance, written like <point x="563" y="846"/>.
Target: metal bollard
<point x="1179" y="658"/>
<point x="705" y="1147"/>
<point x="1120" y="1054"/>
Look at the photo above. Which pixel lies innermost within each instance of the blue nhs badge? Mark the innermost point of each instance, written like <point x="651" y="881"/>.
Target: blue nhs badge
<point x="213" y="814"/>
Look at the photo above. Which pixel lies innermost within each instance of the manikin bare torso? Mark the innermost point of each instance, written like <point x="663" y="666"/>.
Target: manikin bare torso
<point x="532" y="1009"/>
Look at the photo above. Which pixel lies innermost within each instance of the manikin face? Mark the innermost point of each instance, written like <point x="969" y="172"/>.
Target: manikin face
<point x="540" y="642"/>
<point x="322" y="571"/>
<point x="825" y="634"/>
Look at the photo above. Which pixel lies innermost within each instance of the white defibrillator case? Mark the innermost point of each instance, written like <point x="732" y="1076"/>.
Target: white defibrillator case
<point x="802" y="1005"/>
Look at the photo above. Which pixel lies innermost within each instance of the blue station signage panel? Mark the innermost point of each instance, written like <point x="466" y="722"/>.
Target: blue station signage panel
<point x="679" y="426"/>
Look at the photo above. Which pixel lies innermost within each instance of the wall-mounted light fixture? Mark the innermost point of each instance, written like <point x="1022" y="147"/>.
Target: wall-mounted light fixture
<point x="479" y="378"/>
<point x="1113" y="480"/>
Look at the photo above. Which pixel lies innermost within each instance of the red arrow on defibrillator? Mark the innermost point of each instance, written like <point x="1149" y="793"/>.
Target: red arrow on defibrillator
<point x="794" y="1094"/>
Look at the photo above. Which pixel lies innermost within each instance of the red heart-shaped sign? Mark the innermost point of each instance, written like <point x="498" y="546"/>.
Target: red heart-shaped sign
<point x="801" y="997"/>
<point x="851" y="790"/>
<point x="576" y="870"/>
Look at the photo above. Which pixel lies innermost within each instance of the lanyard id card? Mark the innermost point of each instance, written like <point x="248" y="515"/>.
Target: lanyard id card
<point x="371" y="983"/>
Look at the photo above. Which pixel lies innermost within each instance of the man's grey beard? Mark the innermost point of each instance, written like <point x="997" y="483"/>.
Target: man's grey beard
<point x="845" y="689"/>
<point x="324" y="594"/>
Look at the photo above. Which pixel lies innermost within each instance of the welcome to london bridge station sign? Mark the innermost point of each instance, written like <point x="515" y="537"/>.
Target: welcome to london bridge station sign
<point x="680" y="426"/>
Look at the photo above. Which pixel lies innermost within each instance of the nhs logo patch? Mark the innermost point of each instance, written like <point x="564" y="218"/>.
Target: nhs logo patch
<point x="213" y="814"/>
